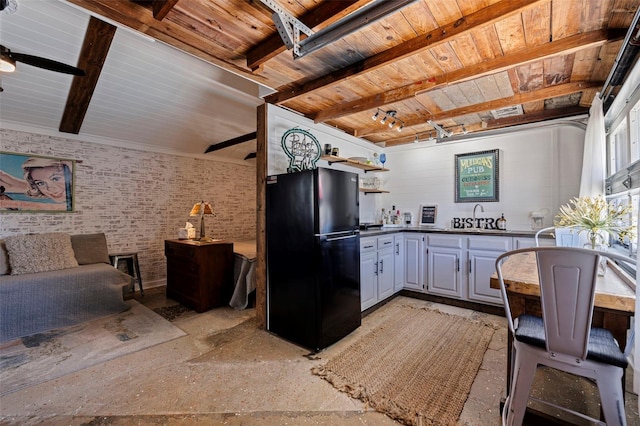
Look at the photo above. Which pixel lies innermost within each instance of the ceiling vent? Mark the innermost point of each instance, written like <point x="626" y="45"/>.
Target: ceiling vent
<point x="507" y="112"/>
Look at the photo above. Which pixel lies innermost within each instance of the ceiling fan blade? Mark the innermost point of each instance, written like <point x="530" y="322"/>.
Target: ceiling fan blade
<point x="47" y="64"/>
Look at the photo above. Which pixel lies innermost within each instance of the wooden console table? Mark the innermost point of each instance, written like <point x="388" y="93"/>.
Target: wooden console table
<point x="199" y="274"/>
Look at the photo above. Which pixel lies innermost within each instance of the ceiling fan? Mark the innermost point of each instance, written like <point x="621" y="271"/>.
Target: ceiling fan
<point x="8" y="61"/>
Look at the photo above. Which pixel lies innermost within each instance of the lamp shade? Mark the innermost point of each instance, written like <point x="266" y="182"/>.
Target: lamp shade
<point x="201" y="208"/>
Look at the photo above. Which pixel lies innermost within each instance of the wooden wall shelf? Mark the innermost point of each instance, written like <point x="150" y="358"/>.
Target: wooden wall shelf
<point x="353" y="163"/>
<point x="373" y="191"/>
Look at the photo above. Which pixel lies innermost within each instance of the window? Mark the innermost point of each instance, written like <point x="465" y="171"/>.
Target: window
<point x="618" y="148"/>
<point x="623" y="148"/>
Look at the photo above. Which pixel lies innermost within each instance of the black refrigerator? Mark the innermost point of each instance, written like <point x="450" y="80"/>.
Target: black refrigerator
<point x="313" y="256"/>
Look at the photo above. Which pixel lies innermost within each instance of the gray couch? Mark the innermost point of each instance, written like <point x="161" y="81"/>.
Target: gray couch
<point x="33" y="302"/>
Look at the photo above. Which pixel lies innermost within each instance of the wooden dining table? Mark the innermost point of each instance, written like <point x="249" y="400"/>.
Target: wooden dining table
<point x="614" y="303"/>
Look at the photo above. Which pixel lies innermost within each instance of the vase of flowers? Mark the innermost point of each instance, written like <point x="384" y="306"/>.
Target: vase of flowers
<point x="599" y="219"/>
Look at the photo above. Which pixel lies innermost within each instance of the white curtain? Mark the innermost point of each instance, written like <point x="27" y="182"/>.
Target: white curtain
<point x="593" y="160"/>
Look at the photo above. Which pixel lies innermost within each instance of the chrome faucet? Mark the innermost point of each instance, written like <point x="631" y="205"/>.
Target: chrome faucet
<point x="475" y="225"/>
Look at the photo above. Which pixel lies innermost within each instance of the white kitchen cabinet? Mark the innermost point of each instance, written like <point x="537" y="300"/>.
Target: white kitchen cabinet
<point x="444" y="265"/>
<point x="413" y="261"/>
<point x="398" y="262"/>
<point x="368" y="279"/>
<point x="376" y="270"/>
<point x="385" y="273"/>
<point x="482" y="252"/>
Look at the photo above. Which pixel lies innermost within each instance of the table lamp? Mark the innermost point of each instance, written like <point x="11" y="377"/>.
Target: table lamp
<point x="201" y="209"/>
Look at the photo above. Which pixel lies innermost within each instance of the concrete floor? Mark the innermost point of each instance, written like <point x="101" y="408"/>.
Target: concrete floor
<point x="243" y="376"/>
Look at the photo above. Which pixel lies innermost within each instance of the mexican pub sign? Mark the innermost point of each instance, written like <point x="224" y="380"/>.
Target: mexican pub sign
<point x="477" y="177"/>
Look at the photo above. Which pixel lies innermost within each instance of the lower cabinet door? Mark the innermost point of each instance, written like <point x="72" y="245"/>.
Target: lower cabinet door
<point x="413" y="274"/>
<point x="482" y="264"/>
<point x="368" y="279"/>
<point x="445" y="277"/>
<point x="385" y="274"/>
<point x="398" y="262"/>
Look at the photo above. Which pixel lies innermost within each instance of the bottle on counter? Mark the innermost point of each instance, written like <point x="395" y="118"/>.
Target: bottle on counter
<point x="383" y="217"/>
<point x="502" y="223"/>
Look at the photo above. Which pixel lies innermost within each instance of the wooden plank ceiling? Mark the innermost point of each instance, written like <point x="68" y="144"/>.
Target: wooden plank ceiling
<point x="458" y="63"/>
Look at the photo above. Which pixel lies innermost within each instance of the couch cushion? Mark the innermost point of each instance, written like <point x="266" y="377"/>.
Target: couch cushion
<point x="4" y="259"/>
<point x="90" y="248"/>
<point x="40" y="253"/>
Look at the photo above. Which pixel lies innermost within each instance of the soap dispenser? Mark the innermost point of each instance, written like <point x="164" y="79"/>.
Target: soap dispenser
<point x="502" y="223"/>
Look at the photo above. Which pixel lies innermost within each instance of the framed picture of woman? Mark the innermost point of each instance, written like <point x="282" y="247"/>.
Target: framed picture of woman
<point x="33" y="183"/>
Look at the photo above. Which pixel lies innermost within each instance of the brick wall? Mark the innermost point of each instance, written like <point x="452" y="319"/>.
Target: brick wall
<point x="138" y="198"/>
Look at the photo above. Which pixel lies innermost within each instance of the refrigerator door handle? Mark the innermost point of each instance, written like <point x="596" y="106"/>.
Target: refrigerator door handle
<point x="342" y="238"/>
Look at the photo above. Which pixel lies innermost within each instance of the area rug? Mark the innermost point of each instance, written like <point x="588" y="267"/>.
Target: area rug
<point x="45" y="356"/>
<point x="417" y="368"/>
<point x="173" y="312"/>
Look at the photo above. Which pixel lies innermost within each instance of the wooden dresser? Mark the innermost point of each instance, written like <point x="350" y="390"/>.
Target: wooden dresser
<point x="199" y="274"/>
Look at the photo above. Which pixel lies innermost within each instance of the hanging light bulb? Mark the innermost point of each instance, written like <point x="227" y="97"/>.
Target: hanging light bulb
<point x="375" y="116"/>
<point x="464" y="130"/>
<point x="400" y="127"/>
<point x="384" y="119"/>
<point x="416" y="140"/>
<point x="393" y="123"/>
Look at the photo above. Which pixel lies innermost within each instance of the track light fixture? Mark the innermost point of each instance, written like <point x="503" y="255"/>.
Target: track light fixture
<point x="390" y="116"/>
<point x="442" y="133"/>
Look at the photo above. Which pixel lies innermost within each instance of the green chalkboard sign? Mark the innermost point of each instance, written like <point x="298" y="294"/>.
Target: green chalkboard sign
<point x="477" y="177"/>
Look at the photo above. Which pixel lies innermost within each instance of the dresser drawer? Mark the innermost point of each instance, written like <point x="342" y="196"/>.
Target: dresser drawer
<point x="183" y="251"/>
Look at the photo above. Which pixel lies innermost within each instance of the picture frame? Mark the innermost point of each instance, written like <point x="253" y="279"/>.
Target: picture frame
<point x="428" y="215"/>
<point x="477" y="176"/>
<point x="36" y="184"/>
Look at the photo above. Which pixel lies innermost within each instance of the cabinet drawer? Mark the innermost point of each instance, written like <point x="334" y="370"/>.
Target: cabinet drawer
<point x="450" y="241"/>
<point x="367" y="244"/>
<point x="490" y="243"/>
<point x="385" y="242"/>
<point x="184" y="251"/>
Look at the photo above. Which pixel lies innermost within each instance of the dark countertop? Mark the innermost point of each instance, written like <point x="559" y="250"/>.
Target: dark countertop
<point x="492" y="232"/>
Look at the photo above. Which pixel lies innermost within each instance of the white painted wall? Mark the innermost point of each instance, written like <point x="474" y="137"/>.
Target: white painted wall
<point x="539" y="168"/>
<point x="280" y="120"/>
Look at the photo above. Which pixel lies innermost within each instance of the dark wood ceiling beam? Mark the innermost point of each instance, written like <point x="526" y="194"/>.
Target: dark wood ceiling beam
<point x="323" y="15"/>
<point x="231" y="142"/>
<point x="564" y="46"/>
<point x="162" y="7"/>
<point x="551" y="114"/>
<point x="431" y="39"/>
<point x="520" y="98"/>
<point x="95" y="48"/>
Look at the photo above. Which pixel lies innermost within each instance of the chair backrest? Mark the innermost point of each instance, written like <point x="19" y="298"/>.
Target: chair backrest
<point x="567" y="277"/>
<point x="543" y="231"/>
<point x="567" y="288"/>
<point x="570" y="237"/>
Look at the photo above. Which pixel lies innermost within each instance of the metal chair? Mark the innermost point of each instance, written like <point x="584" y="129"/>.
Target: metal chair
<point x="543" y="231"/>
<point x="564" y="236"/>
<point x="563" y="338"/>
